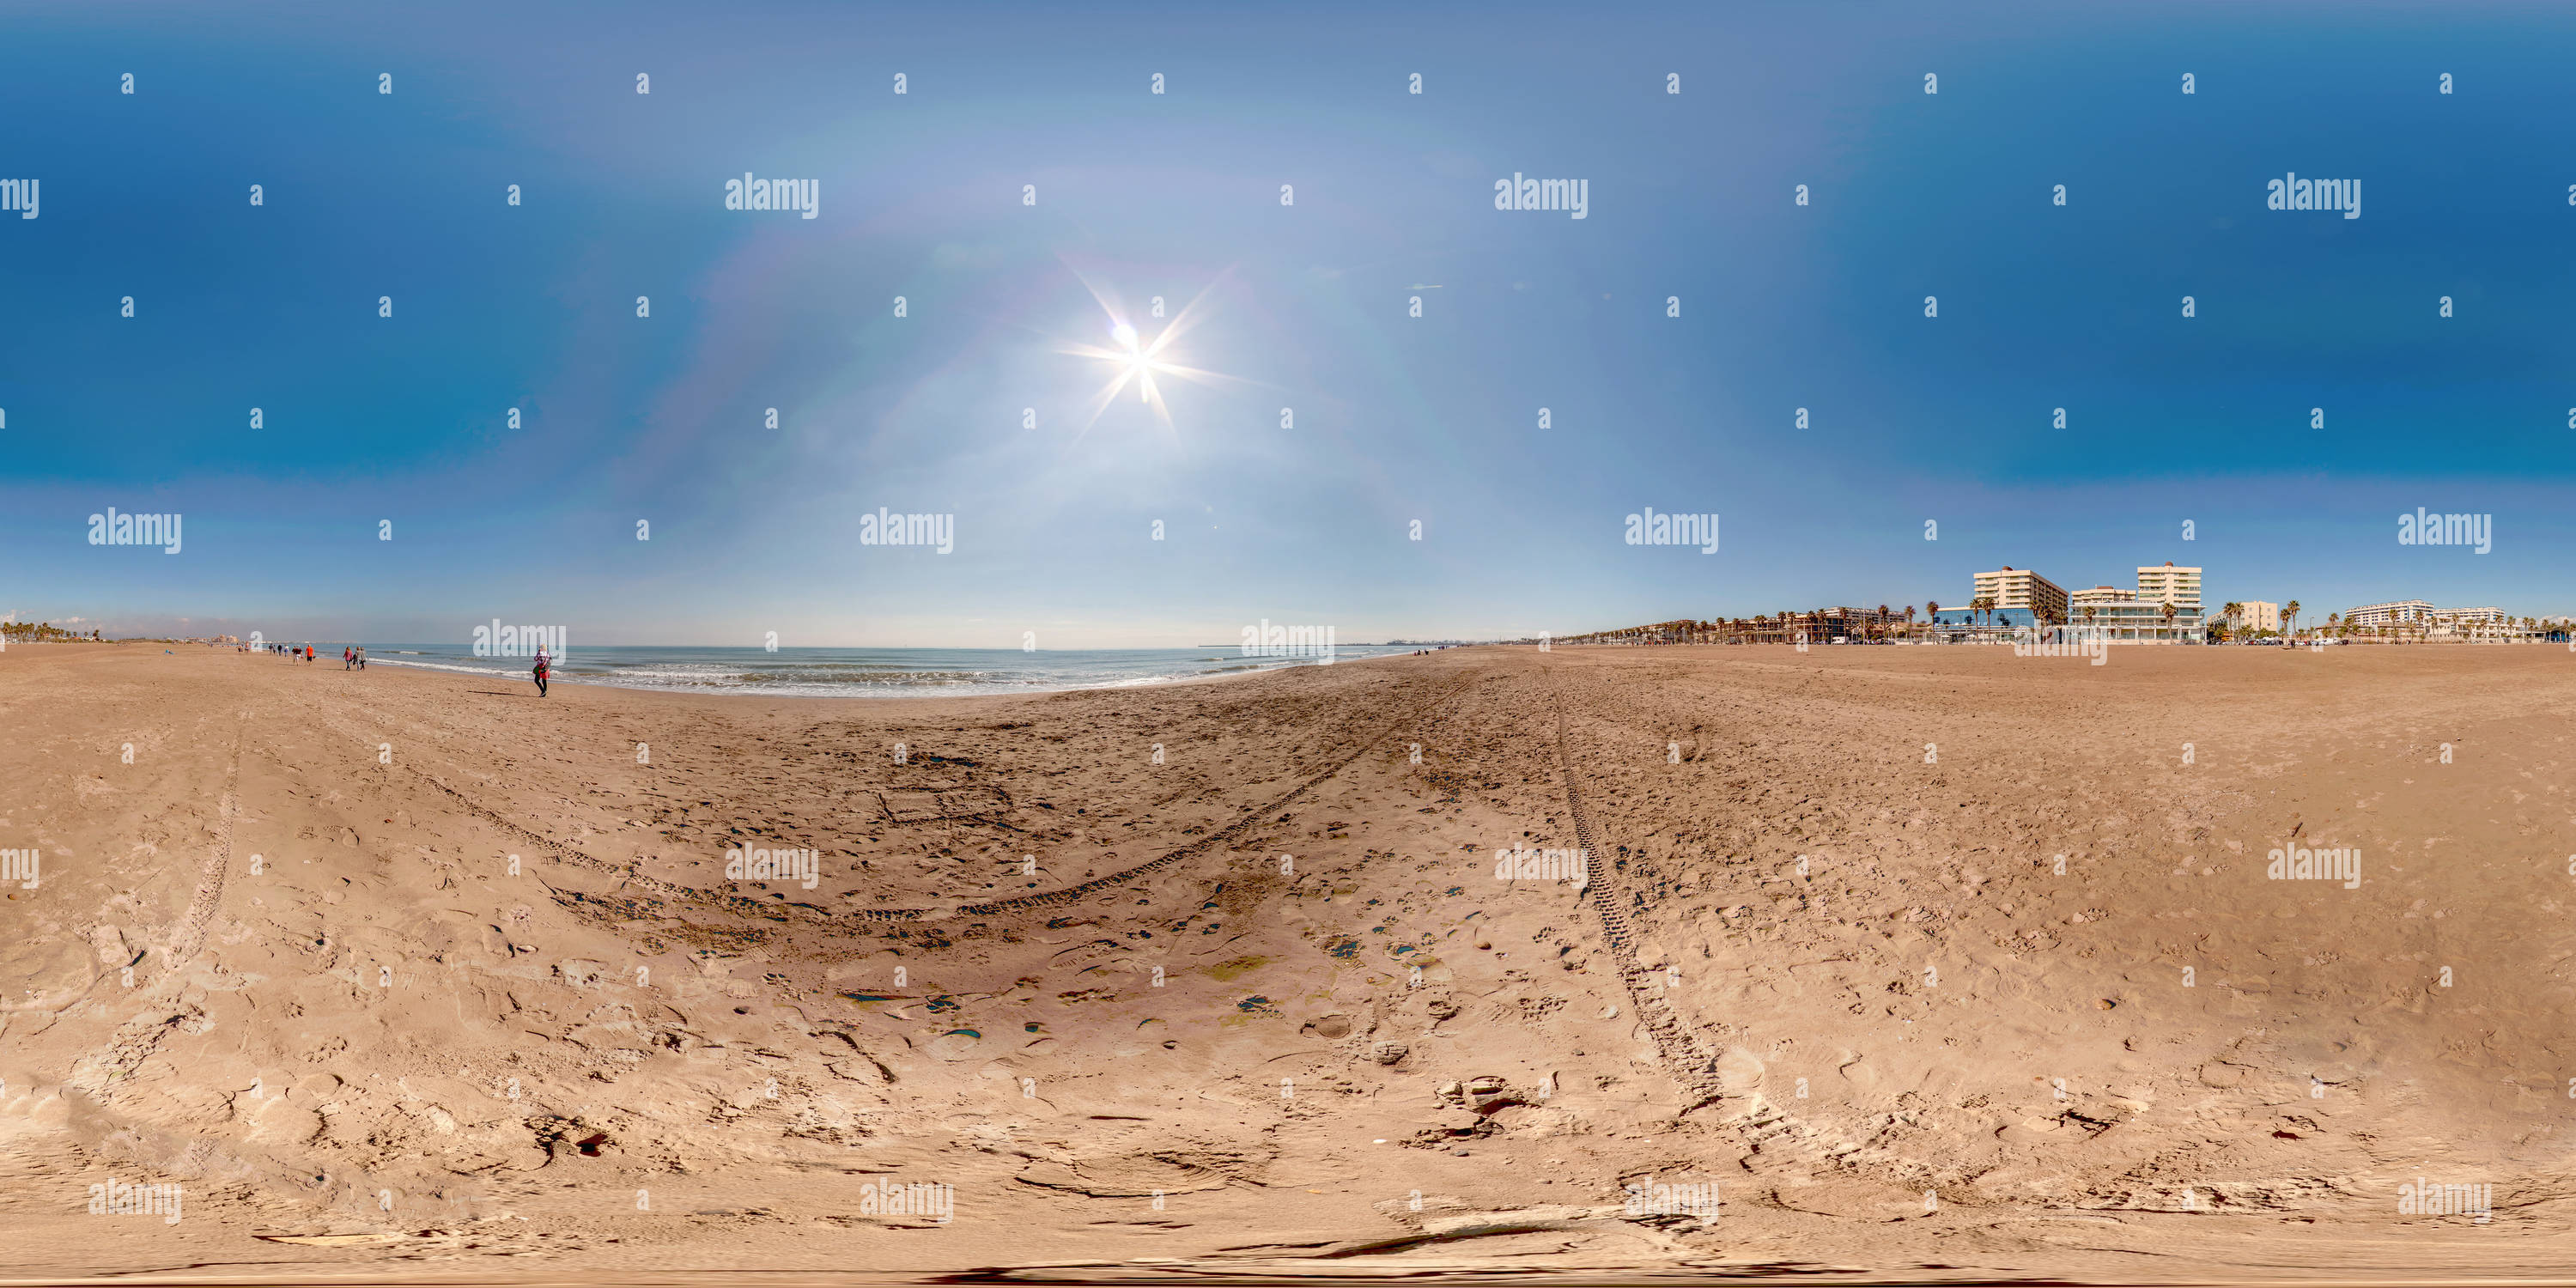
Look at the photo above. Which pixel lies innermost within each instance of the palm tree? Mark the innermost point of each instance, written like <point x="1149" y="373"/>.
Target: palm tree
<point x="2290" y="617"/>
<point x="2167" y="609"/>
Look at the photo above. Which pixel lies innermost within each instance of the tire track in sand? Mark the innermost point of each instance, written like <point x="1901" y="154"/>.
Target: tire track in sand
<point x="1691" y="1065"/>
<point x="772" y="910"/>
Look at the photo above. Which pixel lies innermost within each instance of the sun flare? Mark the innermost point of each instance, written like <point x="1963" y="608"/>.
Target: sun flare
<point x="1138" y="361"/>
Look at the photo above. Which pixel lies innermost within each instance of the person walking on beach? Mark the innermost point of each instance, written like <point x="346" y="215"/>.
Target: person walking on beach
<point x="543" y="664"/>
<point x="348" y="658"/>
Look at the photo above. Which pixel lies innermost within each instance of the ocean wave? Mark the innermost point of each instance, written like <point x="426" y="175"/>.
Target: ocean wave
<point x="448" y="666"/>
<point x="870" y="675"/>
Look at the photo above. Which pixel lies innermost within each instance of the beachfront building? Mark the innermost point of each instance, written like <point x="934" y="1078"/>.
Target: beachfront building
<point x="1816" y="626"/>
<point x="2415" y="619"/>
<point x="2395" y="615"/>
<point x="2097" y="595"/>
<point x="2140" y="620"/>
<point x="2256" y="615"/>
<point x="2168" y="583"/>
<point x="1820" y="626"/>
<point x="2469" y="624"/>
<point x="2011" y="588"/>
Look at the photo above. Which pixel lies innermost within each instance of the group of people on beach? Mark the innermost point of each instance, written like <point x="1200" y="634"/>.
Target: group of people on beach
<point x="351" y="657"/>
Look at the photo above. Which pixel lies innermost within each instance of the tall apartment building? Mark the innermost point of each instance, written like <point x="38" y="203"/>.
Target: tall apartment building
<point x="2179" y="585"/>
<point x="2257" y="615"/>
<point x="2097" y="595"/>
<point x="2021" y="588"/>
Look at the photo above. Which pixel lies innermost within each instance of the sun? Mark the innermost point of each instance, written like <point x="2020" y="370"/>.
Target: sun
<point x="1135" y="360"/>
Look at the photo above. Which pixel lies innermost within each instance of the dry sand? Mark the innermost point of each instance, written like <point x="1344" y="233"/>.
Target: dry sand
<point x="280" y="958"/>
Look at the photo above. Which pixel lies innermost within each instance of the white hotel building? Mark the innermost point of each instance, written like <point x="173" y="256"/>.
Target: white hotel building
<point x="2181" y="585"/>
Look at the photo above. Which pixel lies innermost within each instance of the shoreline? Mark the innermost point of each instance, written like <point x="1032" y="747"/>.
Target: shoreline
<point x="985" y="681"/>
<point x="860" y="692"/>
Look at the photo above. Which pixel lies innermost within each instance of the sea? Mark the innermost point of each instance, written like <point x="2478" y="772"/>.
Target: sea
<point x="863" y="672"/>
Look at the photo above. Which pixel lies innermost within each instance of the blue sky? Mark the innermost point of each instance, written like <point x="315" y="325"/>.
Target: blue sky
<point x="1305" y="307"/>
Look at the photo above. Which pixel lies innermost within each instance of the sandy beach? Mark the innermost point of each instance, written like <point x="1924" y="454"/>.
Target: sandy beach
<point x="1919" y="956"/>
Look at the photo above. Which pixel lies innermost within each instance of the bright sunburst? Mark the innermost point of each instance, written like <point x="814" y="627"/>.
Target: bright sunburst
<point x="1135" y="360"/>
